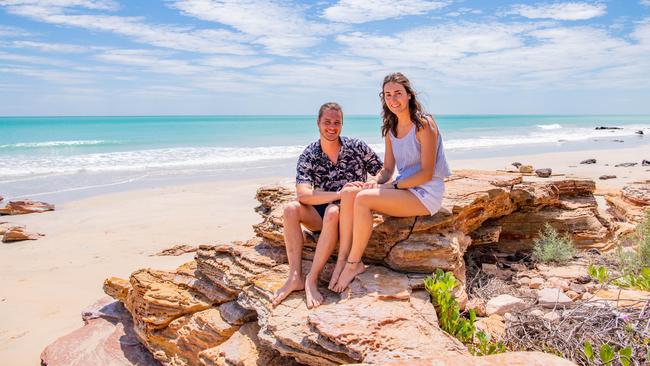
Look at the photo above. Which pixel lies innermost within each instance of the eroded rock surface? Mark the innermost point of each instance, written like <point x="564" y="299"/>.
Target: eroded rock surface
<point x="25" y="207"/>
<point x="631" y="204"/>
<point x="18" y="233"/>
<point x="107" y="338"/>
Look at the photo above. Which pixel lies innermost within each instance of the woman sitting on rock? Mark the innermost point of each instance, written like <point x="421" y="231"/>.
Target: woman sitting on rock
<point x="414" y="144"/>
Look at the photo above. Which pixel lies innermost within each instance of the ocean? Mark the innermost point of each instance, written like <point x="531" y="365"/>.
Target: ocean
<point x="63" y="158"/>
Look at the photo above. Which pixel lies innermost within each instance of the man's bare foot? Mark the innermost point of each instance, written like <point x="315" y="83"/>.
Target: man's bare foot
<point x="336" y="273"/>
<point x="350" y="271"/>
<point x="313" y="297"/>
<point x="294" y="283"/>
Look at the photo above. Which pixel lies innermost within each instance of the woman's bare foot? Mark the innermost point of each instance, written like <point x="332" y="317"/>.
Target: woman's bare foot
<point x="348" y="274"/>
<point x="313" y="298"/>
<point x="294" y="283"/>
<point x="336" y="273"/>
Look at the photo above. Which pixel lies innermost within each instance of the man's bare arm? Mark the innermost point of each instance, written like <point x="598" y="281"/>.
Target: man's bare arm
<point x="309" y="196"/>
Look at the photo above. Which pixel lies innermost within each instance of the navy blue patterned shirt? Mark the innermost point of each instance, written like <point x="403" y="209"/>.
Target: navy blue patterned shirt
<point x="355" y="161"/>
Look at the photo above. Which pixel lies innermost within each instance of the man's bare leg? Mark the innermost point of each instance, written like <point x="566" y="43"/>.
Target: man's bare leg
<point x="346" y="215"/>
<point x="294" y="214"/>
<point x="324" y="248"/>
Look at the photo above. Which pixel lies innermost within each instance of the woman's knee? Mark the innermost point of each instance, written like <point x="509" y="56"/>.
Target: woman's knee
<point x="363" y="199"/>
<point x="349" y="193"/>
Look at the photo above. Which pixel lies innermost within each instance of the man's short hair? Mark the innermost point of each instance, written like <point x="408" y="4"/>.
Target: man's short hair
<point x="327" y="106"/>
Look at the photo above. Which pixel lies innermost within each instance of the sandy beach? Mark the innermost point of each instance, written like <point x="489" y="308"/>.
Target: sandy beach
<point x="45" y="284"/>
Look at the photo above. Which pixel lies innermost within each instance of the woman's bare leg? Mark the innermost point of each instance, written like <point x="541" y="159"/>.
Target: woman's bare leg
<point x="393" y="202"/>
<point x="324" y="248"/>
<point x="345" y="229"/>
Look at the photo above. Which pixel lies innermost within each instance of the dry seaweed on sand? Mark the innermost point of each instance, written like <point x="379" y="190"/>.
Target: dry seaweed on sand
<point x="598" y="322"/>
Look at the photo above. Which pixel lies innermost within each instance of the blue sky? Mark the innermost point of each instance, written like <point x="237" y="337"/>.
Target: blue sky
<point x="110" y="57"/>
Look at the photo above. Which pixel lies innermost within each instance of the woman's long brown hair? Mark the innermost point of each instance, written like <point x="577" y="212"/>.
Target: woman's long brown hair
<point x="416" y="110"/>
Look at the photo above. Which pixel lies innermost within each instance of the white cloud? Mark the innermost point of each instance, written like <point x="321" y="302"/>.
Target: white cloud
<point x="234" y="62"/>
<point x="54" y="76"/>
<point x="560" y="11"/>
<point x="88" y="4"/>
<point x="179" y="38"/>
<point x="362" y="11"/>
<point x="645" y="2"/>
<point x="151" y="61"/>
<point x="50" y="47"/>
<point x="500" y="55"/>
<point x="280" y="28"/>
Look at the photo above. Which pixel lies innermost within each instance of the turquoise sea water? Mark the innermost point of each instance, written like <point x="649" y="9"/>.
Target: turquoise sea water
<point x="53" y="157"/>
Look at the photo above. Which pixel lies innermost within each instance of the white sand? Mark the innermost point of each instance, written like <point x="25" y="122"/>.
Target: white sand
<point x="45" y="284"/>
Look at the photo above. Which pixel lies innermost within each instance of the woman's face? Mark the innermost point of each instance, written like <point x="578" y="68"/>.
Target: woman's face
<point x="396" y="98"/>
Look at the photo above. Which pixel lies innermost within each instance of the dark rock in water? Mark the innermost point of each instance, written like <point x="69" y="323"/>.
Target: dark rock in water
<point x="605" y="177"/>
<point x="588" y="161"/>
<point x="639" y="132"/>
<point x="561" y="140"/>
<point x="625" y="165"/>
<point x="516" y="164"/>
<point x="608" y="128"/>
<point x="544" y="173"/>
<point x="645" y="162"/>
<point x="618" y="141"/>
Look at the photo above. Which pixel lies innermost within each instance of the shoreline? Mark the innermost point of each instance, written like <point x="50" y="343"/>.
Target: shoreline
<point x="47" y="282"/>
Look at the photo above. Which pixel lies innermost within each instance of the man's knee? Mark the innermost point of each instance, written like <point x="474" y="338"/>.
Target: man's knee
<point x="331" y="215"/>
<point x="291" y="211"/>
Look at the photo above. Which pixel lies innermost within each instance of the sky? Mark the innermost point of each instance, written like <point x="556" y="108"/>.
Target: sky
<point x="194" y="57"/>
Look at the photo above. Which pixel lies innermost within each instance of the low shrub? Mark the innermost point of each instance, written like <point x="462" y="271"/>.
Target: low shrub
<point x="441" y="287"/>
<point x="551" y="247"/>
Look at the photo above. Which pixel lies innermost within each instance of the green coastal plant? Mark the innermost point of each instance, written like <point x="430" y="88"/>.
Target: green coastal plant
<point x="600" y="273"/>
<point x="607" y="355"/>
<point x="441" y="287"/>
<point x="550" y="247"/>
<point x="640" y="281"/>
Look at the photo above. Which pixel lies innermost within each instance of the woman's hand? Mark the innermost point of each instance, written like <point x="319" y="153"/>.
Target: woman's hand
<point x="370" y="185"/>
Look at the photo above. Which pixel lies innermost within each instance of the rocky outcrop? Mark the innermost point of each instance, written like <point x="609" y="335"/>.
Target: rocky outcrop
<point x="478" y="208"/>
<point x="107" y="338"/>
<point x="382" y="317"/>
<point x="216" y="310"/>
<point x="632" y="202"/>
<point x="25" y="207"/>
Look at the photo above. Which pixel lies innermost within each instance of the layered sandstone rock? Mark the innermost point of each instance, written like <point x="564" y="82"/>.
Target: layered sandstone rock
<point x="107" y="338"/>
<point x="382" y="317"/>
<point x="632" y="203"/>
<point x="216" y="310"/>
<point x="478" y="208"/>
<point x="18" y="233"/>
<point x="25" y="207"/>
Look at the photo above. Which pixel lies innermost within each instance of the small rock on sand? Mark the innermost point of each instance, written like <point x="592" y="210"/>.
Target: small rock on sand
<point x="526" y="169"/>
<point x="588" y="161"/>
<point x="606" y="176"/>
<point x="625" y="165"/>
<point x="544" y="173"/>
<point x="643" y="163"/>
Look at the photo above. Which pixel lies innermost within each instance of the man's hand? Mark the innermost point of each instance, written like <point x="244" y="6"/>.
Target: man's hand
<point x="370" y="185"/>
<point x="354" y="184"/>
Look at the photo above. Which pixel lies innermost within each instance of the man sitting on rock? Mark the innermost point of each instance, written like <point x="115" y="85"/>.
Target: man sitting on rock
<point x="325" y="167"/>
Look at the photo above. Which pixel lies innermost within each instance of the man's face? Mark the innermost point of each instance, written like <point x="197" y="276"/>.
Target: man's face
<point x="330" y="124"/>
